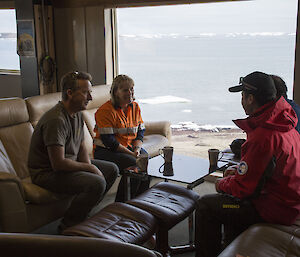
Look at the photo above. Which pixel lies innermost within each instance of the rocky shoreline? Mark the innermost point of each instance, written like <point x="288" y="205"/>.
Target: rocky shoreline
<point x="197" y="143"/>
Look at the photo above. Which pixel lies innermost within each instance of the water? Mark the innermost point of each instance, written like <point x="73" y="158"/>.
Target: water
<point x="185" y="79"/>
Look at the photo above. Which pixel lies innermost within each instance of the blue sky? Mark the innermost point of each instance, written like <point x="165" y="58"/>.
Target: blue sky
<point x="226" y="17"/>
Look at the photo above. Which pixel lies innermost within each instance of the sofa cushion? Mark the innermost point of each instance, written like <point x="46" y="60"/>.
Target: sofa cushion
<point x="38" y="105"/>
<point x="13" y="111"/>
<point x="100" y="95"/>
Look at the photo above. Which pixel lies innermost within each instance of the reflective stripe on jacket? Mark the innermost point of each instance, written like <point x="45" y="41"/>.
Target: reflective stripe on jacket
<point x="113" y="121"/>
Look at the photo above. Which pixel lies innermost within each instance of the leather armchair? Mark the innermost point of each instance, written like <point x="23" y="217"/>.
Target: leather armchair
<point x="35" y="245"/>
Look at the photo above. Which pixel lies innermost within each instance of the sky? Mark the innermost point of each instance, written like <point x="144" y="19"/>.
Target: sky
<point x="227" y="17"/>
<point x="7" y="21"/>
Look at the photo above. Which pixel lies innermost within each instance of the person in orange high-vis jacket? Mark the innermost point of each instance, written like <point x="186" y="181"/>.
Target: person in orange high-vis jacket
<point x="119" y="133"/>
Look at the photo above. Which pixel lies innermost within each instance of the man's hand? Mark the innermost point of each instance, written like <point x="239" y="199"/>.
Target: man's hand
<point x="231" y="170"/>
<point x="93" y="169"/>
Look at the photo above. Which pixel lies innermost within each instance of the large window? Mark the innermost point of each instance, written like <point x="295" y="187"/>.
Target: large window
<point x="184" y="58"/>
<point x="8" y="41"/>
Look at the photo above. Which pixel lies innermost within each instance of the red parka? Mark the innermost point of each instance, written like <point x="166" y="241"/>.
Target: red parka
<point x="270" y="132"/>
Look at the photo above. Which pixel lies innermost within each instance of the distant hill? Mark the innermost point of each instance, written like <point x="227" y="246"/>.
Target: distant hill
<point x="8" y="35"/>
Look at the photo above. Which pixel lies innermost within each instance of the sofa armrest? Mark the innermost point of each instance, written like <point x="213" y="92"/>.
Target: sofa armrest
<point x="13" y="215"/>
<point x="38" y="195"/>
<point x="8" y="177"/>
<point x="36" y="245"/>
<point x="159" y="127"/>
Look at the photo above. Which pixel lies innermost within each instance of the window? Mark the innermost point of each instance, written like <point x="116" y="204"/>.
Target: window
<point x="8" y="41"/>
<point x="184" y="58"/>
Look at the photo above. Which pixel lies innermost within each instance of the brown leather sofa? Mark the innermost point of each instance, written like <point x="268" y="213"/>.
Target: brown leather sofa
<point x="25" y="245"/>
<point x="24" y="206"/>
<point x="266" y="240"/>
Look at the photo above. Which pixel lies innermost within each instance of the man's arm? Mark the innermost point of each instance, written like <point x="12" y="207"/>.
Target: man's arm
<point x="253" y="164"/>
<point x="83" y="155"/>
<point x="59" y="162"/>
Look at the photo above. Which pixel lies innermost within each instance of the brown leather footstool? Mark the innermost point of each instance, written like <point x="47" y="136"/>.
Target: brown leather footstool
<point x="170" y="204"/>
<point x="117" y="222"/>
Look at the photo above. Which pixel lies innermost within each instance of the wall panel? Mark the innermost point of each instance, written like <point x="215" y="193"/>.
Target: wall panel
<point x="95" y="43"/>
<point x="70" y="40"/>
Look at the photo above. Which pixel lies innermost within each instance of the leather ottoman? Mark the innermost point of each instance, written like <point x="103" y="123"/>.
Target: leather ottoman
<point x="170" y="204"/>
<point x="117" y="222"/>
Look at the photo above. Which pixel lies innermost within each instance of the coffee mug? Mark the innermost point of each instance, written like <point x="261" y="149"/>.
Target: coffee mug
<point x="142" y="162"/>
<point x="213" y="155"/>
<point x="167" y="153"/>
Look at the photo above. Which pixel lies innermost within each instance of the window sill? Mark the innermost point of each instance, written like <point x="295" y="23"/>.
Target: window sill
<point x="9" y="72"/>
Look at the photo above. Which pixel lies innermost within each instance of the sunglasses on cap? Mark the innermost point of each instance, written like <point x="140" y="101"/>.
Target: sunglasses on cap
<point x="246" y="86"/>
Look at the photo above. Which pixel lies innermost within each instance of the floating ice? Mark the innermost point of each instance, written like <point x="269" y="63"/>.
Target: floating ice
<point x="207" y="34"/>
<point x="189" y="125"/>
<point x="164" y="99"/>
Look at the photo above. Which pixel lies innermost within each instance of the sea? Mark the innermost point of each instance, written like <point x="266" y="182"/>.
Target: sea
<point x="184" y="79"/>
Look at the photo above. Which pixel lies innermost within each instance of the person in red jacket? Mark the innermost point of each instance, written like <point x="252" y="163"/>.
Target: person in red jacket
<point x="264" y="187"/>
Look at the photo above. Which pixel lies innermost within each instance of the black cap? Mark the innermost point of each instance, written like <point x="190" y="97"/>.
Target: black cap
<point x="256" y="83"/>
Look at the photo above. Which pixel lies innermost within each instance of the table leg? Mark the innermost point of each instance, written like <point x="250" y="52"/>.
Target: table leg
<point x="191" y="229"/>
<point x="127" y="188"/>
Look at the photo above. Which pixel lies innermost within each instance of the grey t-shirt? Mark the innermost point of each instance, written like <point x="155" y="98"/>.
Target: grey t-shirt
<point x="56" y="127"/>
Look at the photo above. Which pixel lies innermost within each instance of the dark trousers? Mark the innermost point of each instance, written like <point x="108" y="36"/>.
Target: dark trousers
<point x="215" y="211"/>
<point x="123" y="160"/>
<point x="88" y="188"/>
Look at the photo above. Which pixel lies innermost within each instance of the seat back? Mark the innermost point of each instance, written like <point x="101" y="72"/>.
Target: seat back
<point x="100" y="95"/>
<point x="15" y="133"/>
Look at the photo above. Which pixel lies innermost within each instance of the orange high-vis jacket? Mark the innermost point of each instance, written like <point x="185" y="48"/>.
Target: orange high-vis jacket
<point x="111" y="120"/>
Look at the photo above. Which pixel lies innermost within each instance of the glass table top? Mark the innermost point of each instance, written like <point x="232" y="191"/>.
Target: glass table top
<point x="185" y="169"/>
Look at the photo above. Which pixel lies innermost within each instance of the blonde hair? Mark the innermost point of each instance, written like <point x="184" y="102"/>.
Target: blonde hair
<point x="117" y="82"/>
